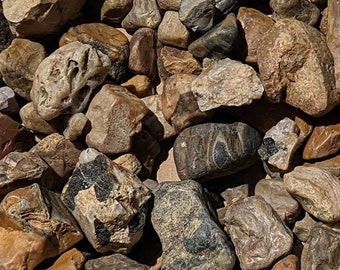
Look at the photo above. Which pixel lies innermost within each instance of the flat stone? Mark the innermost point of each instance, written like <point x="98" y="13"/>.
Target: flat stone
<point x="114" y="11"/>
<point x="74" y="126"/>
<point x="262" y="239"/>
<point x="72" y="259"/>
<point x="219" y="84"/>
<point x="167" y="171"/>
<point x="139" y="85"/>
<point x="64" y="80"/>
<point x="316" y="190"/>
<point x="115" y="116"/>
<point x="190" y="237"/>
<point x="290" y="262"/>
<point x="18" y="64"/>
<point x="6" y="36"/>
<point x="211" y="150"/>
<point x="98" y="184"/>
<point x="8" y="103"/>
<point x="169" y="4"/>
<point x="225" y="6"/>
<point x="129" y="162"/>
<point x="303" y="227"/>
<point x="332" y="165"/>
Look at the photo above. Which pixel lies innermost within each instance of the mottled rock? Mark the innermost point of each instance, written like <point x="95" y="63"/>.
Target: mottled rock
<point x="64" y="80"/>
<point x="303" y="227"/>
<point x="6" y="36"/>
<point x="169" y="4"/>
<point x="8" y="103"/>
<point x="74" y="126"/>
<point x="190" y="237"/>
<point x="232" y="195"/>
<point x="211" y="150"/>
<point x="220" y="40"/>
<point x="225" y="5"/>
<point x="98" y="184"/>
<point x="18" y="64"/>
<point x="290" y="262"/>
<point x="316" y="190"/>
<point x="219" y="84"/>
<point x="167" y="169"/>
<point x="296" y="67"/>
<point x="331" y="165"/>
<point x="114" y="11"/>
<point x="139" y="85"/>
<point x="115" y="116"/>
<point x="259" y="236"/>
<point x="72" y="259"/>
<point x="129" y="162"/>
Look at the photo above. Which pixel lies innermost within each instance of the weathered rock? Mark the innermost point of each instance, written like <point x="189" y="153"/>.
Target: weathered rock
<point x="115" y="115"/>
<point x="219" y="84"/>
<point x="114" y="11"/>
<point x="74" y="126"/>
<point x="64" y="80"/>
<point x="290" y="262"/>
<point x="129" y="162"/>
<point x="6" y="36"/>
<point x="225" y="5"/>
<point x="220" y="40"/>
<point x="18" y="64"/>
<point x="72" y="259"/>
<point x="37" y="18"/>
<point x="296" y="67"/>
<point x="316" y="190"/>
<point x="108" y="201"/>
<point x="106" y="39"/>
<point x="139" y="85"/>
<point x="167" y="169"/>
<point x="331" y="165"/>
<point x="303" y="227"/>
<point x="232" y="195"/>
<point x="169" y="4"/>
<point x="190" y="237"/>
<point x="8" y="103"/>
<point x="144" y="13"/>
<point x="324" y="24"/>
<point x="259" y="236"/>
<point x="211" y="150"/>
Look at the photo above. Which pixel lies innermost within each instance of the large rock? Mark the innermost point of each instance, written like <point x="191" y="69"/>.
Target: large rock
<point x="74" y="126"/>
<point x="332" y="165"/>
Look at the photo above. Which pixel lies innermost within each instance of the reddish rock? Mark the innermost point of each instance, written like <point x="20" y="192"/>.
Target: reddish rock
<point x="290" y="262"/>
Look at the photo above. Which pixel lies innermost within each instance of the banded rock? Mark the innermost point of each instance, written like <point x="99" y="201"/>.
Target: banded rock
<point x="303" y="227"/>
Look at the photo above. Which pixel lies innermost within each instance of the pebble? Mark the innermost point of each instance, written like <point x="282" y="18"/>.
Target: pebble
<point x="72" y="259"/>
<point x="8" y="103"/>
<point x="114" y="11"/>
<point x="74" y="126"/>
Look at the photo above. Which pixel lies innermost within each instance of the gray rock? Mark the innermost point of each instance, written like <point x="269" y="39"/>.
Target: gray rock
<point x="225" y="5"/>
<point x="8" y="103"/>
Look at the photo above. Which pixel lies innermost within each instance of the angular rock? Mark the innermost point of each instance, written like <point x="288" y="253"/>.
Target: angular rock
<point x="225" y="6"/>
<point x="331" y="165"/>
<point x="169" y="4"/>
<point x="232" y="195"/>
<point x="259" y="236"/>
<point x="190" y="237"/>
<point x="303" y="227"/>
<point x="6" y="36"/>
<point x="129" y="162"/>
<point x="108" y="201"/>
<point x="115" y="116"/>
<point x="316" y="190"/>
<point x="167" y="169"/>
<point x="211" y="150"/>
<point x="18" y="64"/>
<point x="219" y="84"/>
<point x="114" y="11"/>
<point x="74" y="126"/>
<point x="72" y="259"/>
<point x="8" y="103"/>
<point x="139" y="85"/>
<point x="290" y="262"/>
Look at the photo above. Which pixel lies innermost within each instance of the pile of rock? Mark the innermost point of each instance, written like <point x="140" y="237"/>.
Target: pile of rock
<point x="152" y="134"/>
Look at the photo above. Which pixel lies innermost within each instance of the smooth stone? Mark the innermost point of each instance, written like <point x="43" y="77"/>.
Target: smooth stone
<point x="72" y="259"/>
<point x="6" y="36"/>
<point x="169" y="4"/>
<point x="303" y="227"/>
<point x="8" y="103"/>
<point x="259" y="236"/>
<point x="211" y="150"/>
<point x="190" y="237"/>
<point x="74" y="126"/>
<point x="290" y="262"/>
<point x="114" y="11"/>
<point x="332" y="165"/>
<point x="65" y="79"/>
<point x="167" y="171"/>
<point x="130" y="162"/>
<point x="139" y="85"/>
<point x="225" y="6"/>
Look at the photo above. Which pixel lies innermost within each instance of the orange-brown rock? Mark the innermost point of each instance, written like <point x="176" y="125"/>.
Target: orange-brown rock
<point x="129" y="162"/>
<point x="290" y="262"/>
<point x="139" y="85"/>
<point x="72" y="259"/>
<point x="331" y="165"/>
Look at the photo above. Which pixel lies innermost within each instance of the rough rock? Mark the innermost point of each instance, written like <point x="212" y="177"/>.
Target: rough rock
<point x="8" y="103"/>
<point x="64" y="80"/>
<point x="259" y="236"/>
<point x="18" y="64"/>
<point x="169" y="4"/>
<point x="232" y="195"/>
<point x="114" y="11"/>
<point x="6" y="36"/>
<point x="167" y="169"/>
<point x="139" y="85"/>
<point x="115" y="116"/>
<point x="129" y="162"/>
<point x="219" y="84"/>
<point x="331" y="165"/>
<point x="316" y="190"/>
<point x="296" y="67"/>
<point x="303" y="227"/>
<point x="211" y="150"/>
<point x="290" y="262"/>
<point x="225" y="6"/>
<point x="72" y="259"/>
<point x="190" y="237"/>
<point x="98" y="185"/>
<point x="74" y="126"/>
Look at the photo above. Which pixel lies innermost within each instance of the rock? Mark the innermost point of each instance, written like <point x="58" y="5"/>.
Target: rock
<point x="233" y="195"/>
<point x="129" y="162"/>
<point x="113" y="11"/>
<point x="225" y="6"/>
<point x="302" y="10"/>
<point x="139" y="85"/>
<point x="219" y="41"/>
<point x="106" y="39"/>
<point x="211" y="150"/>
<point x="296" y="67"/>
<point x="74" y="126"/>
<point x="331" y="165"/>
<point x="144" y="13"/>
<point x="219" y="84"/>
<point x="190" y="237"/>
<point x="8" y="103"/>
<point x="321" y="250"/>
<point x="197" y="15"/>
<point x="262" y="239"/>
<point x="169" y="4"/>
<point x="290" y="262"/>
<point x="72" y="259"/>
<point x="114" y="262"/>
<point x="64" y="80"/>
<point x="98" y="184"/>
<point x="38" y="18"/>
<point x="6" y="36"/>
<point x="316" y="190"/>
<point x="303" y="227"/>
<point x="167" y="169"/>
<point x="18" y="64"/>
<point x="115" y="116"/>
<point x="324" y="24"/>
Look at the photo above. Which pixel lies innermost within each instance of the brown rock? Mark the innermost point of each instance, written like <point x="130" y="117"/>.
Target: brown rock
<point x="167" y="169"/>
<point x="74" y="126"/>
<point x="303" y="227"/>
<point x="324" y="24"/>
<point x="8" y="103"/>
<point x="169" y="4"/>
<point x="233" y="195"/>
<point x="114" y="11"/>
<point x="331" y="165"/>
<point x="290" y="262"/>
<point x="139" y="85"/>
<point x="129" y="162"/>
<point x="69" y="260"/>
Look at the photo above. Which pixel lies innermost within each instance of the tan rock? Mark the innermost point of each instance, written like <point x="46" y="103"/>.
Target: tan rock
<point x="167" y="168"/>
<point x="8" y="103"/>
<point x="114" y="11"/>
<point x="129" y="162"/>
<point x="324" y="24"/>
<point x="74" y="126"/>
<point x="139" y="85"/>
<point x="169" y="4"/>
<point x="331" y="165"/>
<point x="303" y="227"/>
<point x="290" y="262"/>
<point x="72" y="259"/>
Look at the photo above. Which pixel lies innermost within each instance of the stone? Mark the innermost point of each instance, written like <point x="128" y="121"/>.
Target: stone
<point x="303" y="227"/>
<point x="324" y="23"/>
<point x="167" y="171"/>
<point x="98" y="185"/>
<point x="8" y="103"/>
<point x="114" y="262"/>
<point x="316" y="190"/>
<point x="290" y="262"/>
<point x="219" y="41"/>
<point x="296" y="67"/>
<point x="144" y="13"/>
<point x="212" y="150"/>
<point x="259" y="236"/>
<point x="197" y="15"/>
<point x="172" y="32"/>
<point x="139" y="85"/>
<point x="233" y="195"/>
<point x="321" y="250"/>
<point x="18" y="64"/>
<point x="115" y="116"/>
<point x="174" y="61"/>
<point x="74" y="126"/>
<point x="169" y="4"/>
<point x="190" y="237"/>
<point x="38" y="18"/>
<point x="219" y="84"/>
<point x="106" y="39"/>
<point x="129" y="162"/>
<point x="332" y="165"/>
<point x="72" y="259"/>
<point x="113" y="11"/>
<point x="225" y="6"/>
<point x="65" y="79"/>
<point x="6" y="36"/>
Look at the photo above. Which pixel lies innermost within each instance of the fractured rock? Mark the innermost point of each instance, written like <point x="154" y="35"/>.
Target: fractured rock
<point x="139" y="85"/>
<point x="129" y="162"/>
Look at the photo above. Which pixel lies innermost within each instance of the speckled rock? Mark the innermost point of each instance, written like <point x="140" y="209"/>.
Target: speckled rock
<point x="72" y="259"/>
<point x="211" y="150"/>
<point x="74" y="126"/>
<point x="290" y="262"/>
<point x="303" y="227"/>
<point x="114" y="11"/>
<point x="139" y="85"/>
<point x="262" y="239"/>
<point x="98" y="184"/>
<point x="190" y="237"/>
<point x="8" y="102"/>
<point x="169" y="4"/>
<point x="64" y="80"/>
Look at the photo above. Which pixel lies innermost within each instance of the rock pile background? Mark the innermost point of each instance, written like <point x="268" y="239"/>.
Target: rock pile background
<point x="182" y="134"/>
